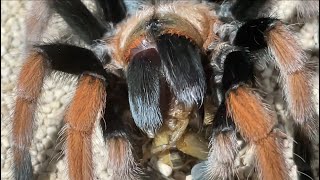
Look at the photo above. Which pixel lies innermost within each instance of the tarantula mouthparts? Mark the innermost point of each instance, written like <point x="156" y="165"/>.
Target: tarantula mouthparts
<point x="168" y="80"/>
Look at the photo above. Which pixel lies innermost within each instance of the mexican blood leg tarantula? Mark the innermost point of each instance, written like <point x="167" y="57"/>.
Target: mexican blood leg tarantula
<point x="155" y="75"/>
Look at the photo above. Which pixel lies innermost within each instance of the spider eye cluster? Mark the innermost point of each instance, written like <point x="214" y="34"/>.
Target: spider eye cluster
<point x="154" y="25"/>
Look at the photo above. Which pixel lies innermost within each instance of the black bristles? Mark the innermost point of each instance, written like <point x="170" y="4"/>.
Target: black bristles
<point x="303" y="156"/>
<point x="80" y="19"/>
<point x="116" y="122"/>
<point x="114" y="10"/>
<point x="246" y="9"/>
<point x="231" y="67"/>
<point x="143" y="78"/>
<point x="252" y="33"/>
<point x="237" y="69"/>
<point x="243" y="10"/>
<point x="181" y="63"/>
<point x="222" y="123"/>
<point x="23" y="170"/>
<point x="72" y="59"/>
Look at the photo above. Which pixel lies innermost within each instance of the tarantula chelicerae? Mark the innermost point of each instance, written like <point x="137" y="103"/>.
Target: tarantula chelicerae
<point x="171" y="77"/>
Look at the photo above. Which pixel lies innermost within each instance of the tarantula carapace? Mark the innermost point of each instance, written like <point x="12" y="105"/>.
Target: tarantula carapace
<point x="162" y="78"/>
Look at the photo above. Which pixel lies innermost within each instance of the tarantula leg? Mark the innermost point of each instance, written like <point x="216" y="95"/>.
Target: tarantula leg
<point x="37" y="21"/>
<point x="231" y="65"/>
<point x="289" y="58"/>
<point x="256" y="125"/>
<point x="244" y="9"/>
<point x="121" y="135"/>
<point x="80" y="119"/>
<point x="113" y="10"/>
<point x="28" y="91"/>
<point x="303" y="150"/>
<point x="247" y="111"/>
<point x="72" y="59"/>
<point x="79" y="18"/>
<point x="223" y="147"/>
<point x="223" y="143"/>
<point x="121" y="157"/>
<point x="39" y="62"/>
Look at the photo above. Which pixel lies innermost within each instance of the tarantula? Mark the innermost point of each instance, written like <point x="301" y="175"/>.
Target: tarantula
<point x="169" y="73"/>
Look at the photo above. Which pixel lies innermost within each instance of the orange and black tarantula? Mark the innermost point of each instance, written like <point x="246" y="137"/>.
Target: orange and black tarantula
<point x="163" y="77"/>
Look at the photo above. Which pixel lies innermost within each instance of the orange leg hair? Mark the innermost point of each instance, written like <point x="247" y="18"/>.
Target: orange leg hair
<point x="295" y="76"/>
<point x="88" y="102"/>
<point x="29" y="88"/>
<point x="256" y="125"/>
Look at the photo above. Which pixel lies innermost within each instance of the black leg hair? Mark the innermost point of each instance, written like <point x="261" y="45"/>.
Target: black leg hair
<point x="231" y="67"/>
<point x="121" y="135"/>
<point x="43" y="60"/>
<point x="252" y="33"/>
<point x="113" y="10"/>
<point x="248" y="113"/>
<point x="222" y="81"/>
<point x="242" y="10"/>
<point x="80" y="19"/>
<point x="290" y="59"/>
<point x="24" y="171"/>
<point x="71" y="59"/>
<point x="246" y="9"/>
<point x="302" y="157"/>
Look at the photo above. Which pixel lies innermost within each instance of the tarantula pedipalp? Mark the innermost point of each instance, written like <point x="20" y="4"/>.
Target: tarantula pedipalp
<point x="173" y="56"/>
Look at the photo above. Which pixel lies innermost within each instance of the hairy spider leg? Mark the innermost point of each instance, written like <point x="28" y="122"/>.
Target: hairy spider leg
<point x="290" y="58"/>
<point x="121" y="135"/>
<point x="295" y="76"/>
<point x="28" y="91"/>
<point x="54" y="58"/>
<point x="80" y="19"/>
<point x="249" y="114"/>
<point x="113" y="10"/>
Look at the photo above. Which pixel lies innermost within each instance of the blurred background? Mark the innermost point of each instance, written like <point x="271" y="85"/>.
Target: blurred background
<point x="47" y="158"/>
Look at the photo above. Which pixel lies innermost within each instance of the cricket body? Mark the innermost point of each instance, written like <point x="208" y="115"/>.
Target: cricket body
<point x="160" y="80"/>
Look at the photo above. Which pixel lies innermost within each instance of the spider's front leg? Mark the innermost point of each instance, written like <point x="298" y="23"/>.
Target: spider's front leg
<point x="223" y="147"/>
<point x="295" y="76"/>
<point x="87" y="103"/>
<point x="80" y="117"/>
<point x="29" y="86"/>
<point x="113" y="10"/>
<point x="290" y="59"/>
<point x="123" y="139"/>
<point x="233" y="72"/>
